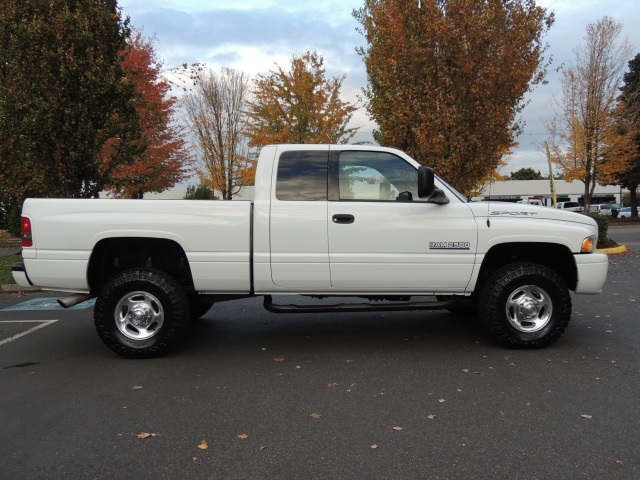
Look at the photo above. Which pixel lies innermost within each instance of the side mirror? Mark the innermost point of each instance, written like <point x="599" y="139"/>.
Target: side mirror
<point x="425" y="182"/>
<point x="426" y="187"/>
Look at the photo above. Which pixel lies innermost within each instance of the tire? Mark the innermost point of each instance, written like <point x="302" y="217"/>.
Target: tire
<point x="141" y="313"/>
<point x="525" y="305"/>
<point x="198" y="307"/>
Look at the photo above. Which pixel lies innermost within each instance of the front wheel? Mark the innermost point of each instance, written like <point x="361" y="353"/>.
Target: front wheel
<point x="525" y="305"/>
<point x="141" y="313"/>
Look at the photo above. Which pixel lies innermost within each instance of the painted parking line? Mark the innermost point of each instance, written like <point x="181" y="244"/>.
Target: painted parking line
<point x="43" y="323"/>
<point x="47" y="304"/>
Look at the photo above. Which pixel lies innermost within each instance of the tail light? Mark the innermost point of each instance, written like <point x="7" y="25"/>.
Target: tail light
<point x="25" y="232"/>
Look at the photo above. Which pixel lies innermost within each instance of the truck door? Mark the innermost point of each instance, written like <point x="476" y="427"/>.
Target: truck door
<point x="298" y="220"/>
<point x="383" y="238"/>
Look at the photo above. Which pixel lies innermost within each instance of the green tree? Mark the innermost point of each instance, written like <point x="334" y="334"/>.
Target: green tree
<point x="63" y="93"/>
<point x="526" y="174"/>
<point x="199" y="192"/>
<point x="447" y="79"/>
<point x="299" y="106"/>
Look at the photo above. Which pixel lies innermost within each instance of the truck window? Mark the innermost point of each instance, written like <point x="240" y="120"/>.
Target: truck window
<point x="375" y="176"/>
<point x="302" y="176"/>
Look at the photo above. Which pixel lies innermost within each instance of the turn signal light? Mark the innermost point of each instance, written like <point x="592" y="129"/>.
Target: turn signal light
<point x="25" y="232"/>
<point x="588" y="245"/>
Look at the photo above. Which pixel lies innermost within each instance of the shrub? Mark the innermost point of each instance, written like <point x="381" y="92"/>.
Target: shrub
<point x="603" y="229"/>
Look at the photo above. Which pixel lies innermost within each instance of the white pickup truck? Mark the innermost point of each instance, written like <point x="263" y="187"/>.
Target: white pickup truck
<point x="326" y="221"/>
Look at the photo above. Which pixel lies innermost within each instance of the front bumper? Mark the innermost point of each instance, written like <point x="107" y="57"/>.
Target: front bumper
<point x="20" y="275"/>
<point x="592" y="272"/>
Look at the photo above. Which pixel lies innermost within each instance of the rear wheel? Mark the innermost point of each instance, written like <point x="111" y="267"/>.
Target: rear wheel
<point x="141" y="313"/>
<point x="525" y="305"/>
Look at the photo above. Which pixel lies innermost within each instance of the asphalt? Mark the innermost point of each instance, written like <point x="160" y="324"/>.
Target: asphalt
<point x="339" y="396"/>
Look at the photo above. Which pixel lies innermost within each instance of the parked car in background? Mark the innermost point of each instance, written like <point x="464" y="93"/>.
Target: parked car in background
<point x="625" y="212"/>
<point x="601" y="209"/>
<point x="569" y="206"/>
<point x="615" y="209"/>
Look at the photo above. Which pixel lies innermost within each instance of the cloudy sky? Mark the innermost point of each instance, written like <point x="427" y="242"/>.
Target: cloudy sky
<point x="254" y="35"/>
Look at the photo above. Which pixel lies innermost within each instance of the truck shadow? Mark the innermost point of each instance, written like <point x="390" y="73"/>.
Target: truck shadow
<point x="224" y="328"/>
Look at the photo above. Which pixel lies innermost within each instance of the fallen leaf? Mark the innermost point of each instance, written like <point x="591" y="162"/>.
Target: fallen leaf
<point x="243" y="436"/>
<point x="374" y="446"/>
<point x="137" y="387"/>
<point x="619" y="462"/>
<point x="262" y="448"/>
<point x="588" y="417"/>
<point x="146" y="435"/>
<point x="465" y="370"/>
<point x="315" y="415"/>
<point x="442" y="400"/>
<point x="431" y="417"/>
<point x="397" y="429"/>
<point x="204" y="445"/>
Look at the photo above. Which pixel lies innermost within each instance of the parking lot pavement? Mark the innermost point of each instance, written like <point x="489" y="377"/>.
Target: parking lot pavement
<point x="253" y="394"/>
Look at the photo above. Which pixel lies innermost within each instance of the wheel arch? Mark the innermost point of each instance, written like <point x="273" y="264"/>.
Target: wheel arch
<point x="556" y="257"/>
<point x="111" y="256"/>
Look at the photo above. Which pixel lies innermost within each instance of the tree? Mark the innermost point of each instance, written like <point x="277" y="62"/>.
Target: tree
<point x="63" y="93"/>
<point x="446" y="79"/>
<point x="590" y="147"/>
<point x="163" y="157"/>
<point x="526" y="174"/>
<point x="299" y="106"/>
<point x="216" y="116"/>
<point x="627" y="117"/>
<point x="199" y="192"/>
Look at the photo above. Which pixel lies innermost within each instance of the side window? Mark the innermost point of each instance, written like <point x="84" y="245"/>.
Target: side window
<point x="375" y="176"/>
<point x="302" y="176"/>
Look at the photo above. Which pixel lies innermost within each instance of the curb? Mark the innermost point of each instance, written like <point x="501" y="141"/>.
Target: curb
<point x="15" y="288"/>
<point x="614" y="250"/>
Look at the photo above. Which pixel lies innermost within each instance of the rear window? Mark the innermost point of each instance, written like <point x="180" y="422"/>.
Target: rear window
<point x="302" y="176"/>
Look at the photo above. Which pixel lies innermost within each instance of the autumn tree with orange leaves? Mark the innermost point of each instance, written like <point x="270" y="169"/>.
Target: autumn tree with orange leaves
<point x="588" y="143"/>
<point x="162" y="158"/>
<point x="447" y="79"/>
<point x="299" y="106"/>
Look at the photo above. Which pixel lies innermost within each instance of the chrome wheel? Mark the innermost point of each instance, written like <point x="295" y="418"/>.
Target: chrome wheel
<point x="139" y="315"/>
<point x="529" y="309"/>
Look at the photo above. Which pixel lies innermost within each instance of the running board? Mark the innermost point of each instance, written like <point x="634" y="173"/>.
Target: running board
<point x="354" y="307"/>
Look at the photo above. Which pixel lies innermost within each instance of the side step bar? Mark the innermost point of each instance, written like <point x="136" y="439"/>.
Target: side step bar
<point x="354" y="307"/>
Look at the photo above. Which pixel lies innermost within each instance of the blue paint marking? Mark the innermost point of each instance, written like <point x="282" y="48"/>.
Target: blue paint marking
<point x="48" y="304"/>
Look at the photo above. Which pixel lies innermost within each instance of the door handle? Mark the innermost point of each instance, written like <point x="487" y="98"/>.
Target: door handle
<point x="343" y="218"/>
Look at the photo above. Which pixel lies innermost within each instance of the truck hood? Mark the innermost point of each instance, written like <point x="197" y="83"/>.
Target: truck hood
<point x="523" y="210"/>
